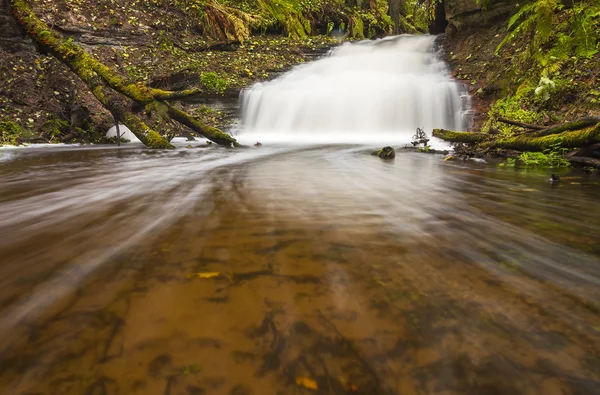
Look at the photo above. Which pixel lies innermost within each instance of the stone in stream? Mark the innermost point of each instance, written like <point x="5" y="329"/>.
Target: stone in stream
<point x="385" y="153"/>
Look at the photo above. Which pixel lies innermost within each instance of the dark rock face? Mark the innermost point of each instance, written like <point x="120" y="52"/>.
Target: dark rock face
<point x="11" y="37"/>
<point x="467" y="14"/>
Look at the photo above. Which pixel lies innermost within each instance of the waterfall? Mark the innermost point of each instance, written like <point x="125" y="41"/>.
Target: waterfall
<point x="365" y="92"/>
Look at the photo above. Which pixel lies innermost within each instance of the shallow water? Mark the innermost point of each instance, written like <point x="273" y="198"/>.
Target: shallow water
<point x="345" y="272"/>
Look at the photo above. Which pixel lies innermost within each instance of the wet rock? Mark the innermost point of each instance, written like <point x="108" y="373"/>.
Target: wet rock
<point x="466" y="14"/>
<point x="385" y="153"/>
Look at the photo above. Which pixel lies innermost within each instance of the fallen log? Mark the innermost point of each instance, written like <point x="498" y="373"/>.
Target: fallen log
<point x="571" y="139"/>
<point x="520" y="124"/>
<point x="460" y="137"/>
<point x="211" y="133"/>
<point x="105" y="84"/>
<point x="565" y="127"/>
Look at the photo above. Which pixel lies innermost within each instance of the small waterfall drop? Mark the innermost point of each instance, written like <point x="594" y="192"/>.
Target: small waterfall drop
<point x="366" y="92"/>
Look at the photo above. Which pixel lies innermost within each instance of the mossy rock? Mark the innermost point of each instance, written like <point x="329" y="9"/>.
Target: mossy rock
<point x="385" y="153"/>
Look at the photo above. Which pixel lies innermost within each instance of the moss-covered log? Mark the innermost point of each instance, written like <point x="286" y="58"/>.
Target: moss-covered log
<point x="103" y="82"/>
<point x="211" y="133"/>
<point x="572" y="139"/>
<point x="569" y="126"/>
<point x="460" y="137"/>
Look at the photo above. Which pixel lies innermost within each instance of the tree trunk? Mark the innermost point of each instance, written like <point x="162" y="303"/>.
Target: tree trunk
<point x="575" y="125"/>
<point x="108" y="87"/>
<point x="394" y="11"/>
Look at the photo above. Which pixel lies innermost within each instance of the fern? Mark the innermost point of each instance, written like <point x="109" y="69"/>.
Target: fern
<point x="576" y="35"/>
<point x="586" y="23"/>
<point x="287" y="13"/>
<point x="537" y="17"/>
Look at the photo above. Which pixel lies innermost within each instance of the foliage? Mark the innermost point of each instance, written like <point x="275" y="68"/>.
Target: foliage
<point x="11" y="132"/>
<point x="544" y="88"/>
<point x="514" y="107"/>
<point x="213" y="83"/>
<point x="227" y="22"/>
<point x="553" y="39"/>
<point x="552" y="157"/>
<point x="53" y="128"/>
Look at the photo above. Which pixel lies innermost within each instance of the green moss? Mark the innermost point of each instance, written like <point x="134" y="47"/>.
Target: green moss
<point x="459" y="137"/>
<point x="213" y="83"/>
<point x="514" y="107"/>
<point x="385" y="153"/>
<point x="565" y="140"/>
<point x="155" y="140"/>
<point x="11" y="133"/>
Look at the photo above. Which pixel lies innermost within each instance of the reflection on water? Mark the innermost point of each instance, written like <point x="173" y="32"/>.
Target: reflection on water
<point x="337" y="271"/>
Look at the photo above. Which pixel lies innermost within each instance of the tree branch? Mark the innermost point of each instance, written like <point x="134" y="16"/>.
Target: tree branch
<point x="521" y="124"/>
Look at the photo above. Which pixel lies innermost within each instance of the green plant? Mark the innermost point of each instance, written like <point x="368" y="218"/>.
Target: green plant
<point x="553" y="157"/>
<point x="11" y="132"/>
<point x="536" y="18"/>
<point x="213" y="83"/>
<point x="553" y="40"/>
<point x="544" y="88"/>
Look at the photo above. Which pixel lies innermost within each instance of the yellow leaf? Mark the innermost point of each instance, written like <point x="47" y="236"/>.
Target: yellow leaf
<point x="306" y="383"/>
<point x="204" y="275"/>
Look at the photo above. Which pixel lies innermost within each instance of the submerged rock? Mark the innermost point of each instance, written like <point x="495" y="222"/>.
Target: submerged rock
<point x="385" y="153"/>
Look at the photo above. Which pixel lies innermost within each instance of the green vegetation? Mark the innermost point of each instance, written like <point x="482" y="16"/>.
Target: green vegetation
<point x="213" y="83"/>
<point x="553" y="157"/>
<point x="53" y="128"/>
<point x="550" y="158"/>
<point x="552" y="46"/>
<point x="11" y="133"/>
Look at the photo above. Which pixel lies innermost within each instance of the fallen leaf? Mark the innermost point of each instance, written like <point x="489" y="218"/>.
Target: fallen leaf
<point x="204" y="275"/>
<point x="306" y="383"/>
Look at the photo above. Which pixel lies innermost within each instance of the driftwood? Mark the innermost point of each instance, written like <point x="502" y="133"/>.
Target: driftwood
<point x="521" y="124"/>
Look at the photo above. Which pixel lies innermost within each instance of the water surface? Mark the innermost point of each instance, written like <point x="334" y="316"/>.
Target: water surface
<point x="337" y="269"/>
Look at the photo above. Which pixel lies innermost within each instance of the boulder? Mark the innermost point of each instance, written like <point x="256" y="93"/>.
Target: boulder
<point x="468" y="14"/>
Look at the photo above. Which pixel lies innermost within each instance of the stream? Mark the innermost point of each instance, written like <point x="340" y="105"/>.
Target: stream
<point x="297" y="268"/>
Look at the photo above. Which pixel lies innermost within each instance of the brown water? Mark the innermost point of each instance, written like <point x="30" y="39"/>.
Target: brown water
<point x="338" y="273"/>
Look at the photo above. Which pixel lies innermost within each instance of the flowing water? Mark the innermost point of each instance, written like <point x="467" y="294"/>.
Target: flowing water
<point x="369" y="92"/>
<point x="289" y="269"/>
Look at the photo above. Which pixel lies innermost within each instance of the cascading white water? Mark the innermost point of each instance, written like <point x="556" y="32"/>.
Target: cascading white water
<point x="371" y="91"/>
